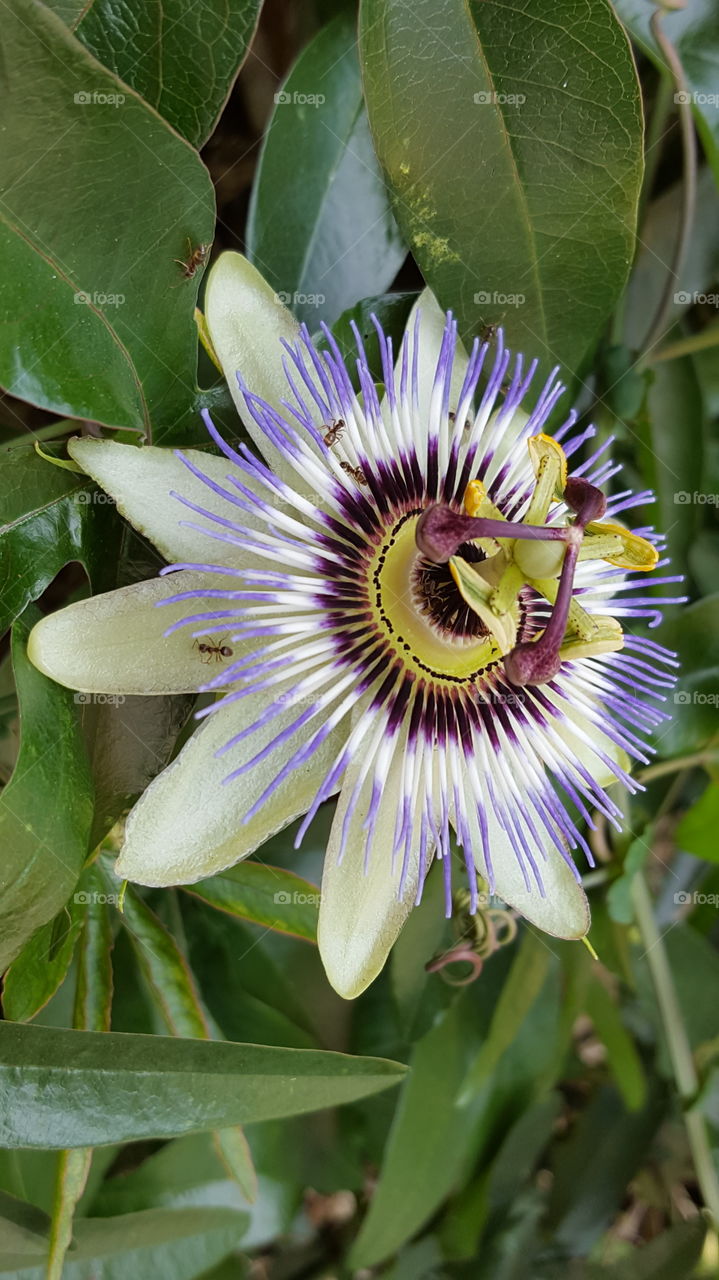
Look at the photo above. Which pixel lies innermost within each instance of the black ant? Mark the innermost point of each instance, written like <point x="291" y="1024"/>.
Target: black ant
<point x="218" y="649"/>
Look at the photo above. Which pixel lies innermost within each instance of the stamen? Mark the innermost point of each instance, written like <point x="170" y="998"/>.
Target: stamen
<point x="440" y="532"/>
<point x="537" y="661"/>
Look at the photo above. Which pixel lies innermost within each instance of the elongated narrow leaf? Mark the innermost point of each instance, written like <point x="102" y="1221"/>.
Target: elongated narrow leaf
<point x="524" y="983"/>
<point x="512" y="143"/>
<point x="173" y="990"/>
<point x="268" y="895"/>
<point x="114" y="340"/>
<point x="24" y="1229"/>
<point x="92" y="1010"/>
<point x="166" y="1244"/>
<point x="76" y="1088"/>
<point x="46" y="808"/>
<point x="330" y="237"/>
<point x="182" y="58"/>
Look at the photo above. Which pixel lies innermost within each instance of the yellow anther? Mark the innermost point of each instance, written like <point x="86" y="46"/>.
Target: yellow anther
<point x="474" y="496"/>
<point x="633" y="552"/>
<point x="477" y="592"/>
<point x="550" y="468"/>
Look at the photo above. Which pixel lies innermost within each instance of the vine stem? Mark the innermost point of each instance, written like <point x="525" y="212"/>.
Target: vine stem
<point x="680" y="1053"/>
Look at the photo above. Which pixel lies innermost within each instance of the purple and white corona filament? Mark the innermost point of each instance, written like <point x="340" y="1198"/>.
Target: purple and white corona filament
<point x="413" y="599"/>
<point x="358" y="623"/>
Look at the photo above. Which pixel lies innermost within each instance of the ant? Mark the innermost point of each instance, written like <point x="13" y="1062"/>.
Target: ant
<point x="195" y="258"/>
<point x="336" y="430"/>
<point x="217" y="648"/>
<point x="356" y="473"/>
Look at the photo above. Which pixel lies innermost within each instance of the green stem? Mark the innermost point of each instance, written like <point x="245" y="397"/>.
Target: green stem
<point x="708" y="756"/>
<point x="685" y="1074"/>
<point x="703" y="341"/>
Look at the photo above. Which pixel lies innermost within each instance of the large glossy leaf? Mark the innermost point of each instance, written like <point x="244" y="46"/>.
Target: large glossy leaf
<point x="49" y="518"/>
<point x="182" y="58"/>
<point x="93" y="325"/>
<point x="166" y="1244"/>
<point x="511" y="139"/>
<point x="46" y="808"/>
<point x="74" y="1088"/>
<point x="320" y="226"/>
<point x="694" y="30"/>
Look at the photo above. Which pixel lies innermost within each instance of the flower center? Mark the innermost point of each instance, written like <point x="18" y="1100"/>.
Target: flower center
<point x="419" y="606"/>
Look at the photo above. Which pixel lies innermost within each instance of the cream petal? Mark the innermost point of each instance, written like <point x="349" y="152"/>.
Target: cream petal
<point x="361" y="912"/>
<point x="142" y="479"/>
<point x="247" y="322"/>
<point x="562" y="911"/>
<point x="114" y="643"/>
<point x="189" y="825"/>
<point x="432" y="321"/>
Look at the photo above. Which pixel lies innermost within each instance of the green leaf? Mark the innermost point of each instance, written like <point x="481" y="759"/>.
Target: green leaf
<point x="180" y="58"/>
<point x="113" y="340"/>
<point x="174" y="993"/>
<point x="421" y="1159"/>
<point x="34" y="977"/>
<point x="694" y="635"/>
<point x="524" y="983"/>
<point x="671" y="460"/>
<point x="654" y="256"/>
<point x="267" y="895"/>
<point x="623" y="1058"/>
<point x="697" y="831"/>
<point x="46" y="808"/>
<point x="320" y="227"/>
<point x="92" y="1010"/>
<point x="79" y="1088"/>
<point x="49" y="518"/>
<point x="512" y="143"/>
<point x="167" y="1244"/>
<point x="619" y="894"/>
<point x="694" y="31"/>
<point x="24" y="1229"/>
